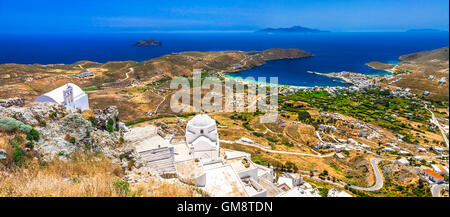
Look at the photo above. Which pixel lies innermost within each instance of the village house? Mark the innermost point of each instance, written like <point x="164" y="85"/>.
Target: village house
<point x="388" y="150"/>
<point x="442" y="170"/>
<point x="433" y="176"/>
<point x="438" y="149"/>
<point x="402" y="161"/>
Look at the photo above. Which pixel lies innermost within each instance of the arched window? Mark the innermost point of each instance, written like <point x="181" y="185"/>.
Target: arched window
<point x="201" y="131"/>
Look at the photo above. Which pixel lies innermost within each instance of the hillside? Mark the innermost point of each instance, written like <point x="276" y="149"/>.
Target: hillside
<point x="380" y="65"/>
<point x="421" y="73"/>
<point x="437" y="54"/>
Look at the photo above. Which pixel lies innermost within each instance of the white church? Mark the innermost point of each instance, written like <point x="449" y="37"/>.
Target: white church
<point x="69" y="95"/>
<point x="202" y="137"/>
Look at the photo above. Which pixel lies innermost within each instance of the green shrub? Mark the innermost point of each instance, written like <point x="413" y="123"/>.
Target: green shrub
<point x="16" y="141"/>
<point x="272" y="139"/>
<point x="92" y="120"/>
<point x="110" y="125"/>
<point x="33" y="135"/>
<point x="88" y="133"/>
<point x="30" y="145"/>
<point x="88" y="146"/>
<point x="18" y="156"/>
<point x="303" y="115"/>
<point x="257" y="134"/>
<point x="72" y="140"/>
<point x="323" y="192"/>
<point x="287" y="143"/>
<point x="122" y="187"/>
<point x="42" y="123"/>
<point x="52" y="115"/>
<point x="11" y="125"/>
<point x="246" y="126"/>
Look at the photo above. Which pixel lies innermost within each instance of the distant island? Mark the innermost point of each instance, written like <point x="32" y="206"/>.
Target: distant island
<point x="294" y="29"/>
<point x="147" y="43"/>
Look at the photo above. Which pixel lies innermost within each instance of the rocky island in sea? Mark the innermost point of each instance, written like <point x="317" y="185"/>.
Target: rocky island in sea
<point x="148" y="43"/>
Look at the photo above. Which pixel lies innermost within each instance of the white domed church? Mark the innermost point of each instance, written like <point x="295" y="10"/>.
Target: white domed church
<point x="202" y="137"/>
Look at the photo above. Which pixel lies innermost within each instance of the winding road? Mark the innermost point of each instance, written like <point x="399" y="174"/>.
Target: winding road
<point x="378" y="177"/>
<point x="436" y="190"/>
<point x="435" y="121"/>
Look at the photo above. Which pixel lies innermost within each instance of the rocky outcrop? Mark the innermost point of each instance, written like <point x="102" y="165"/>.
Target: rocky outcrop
<point x="18" y="102"/>
<point x="102" y="116"/>
<point x="64" y="137"/>
<point x="64" y="132"/>
<point x="32" y="115"/>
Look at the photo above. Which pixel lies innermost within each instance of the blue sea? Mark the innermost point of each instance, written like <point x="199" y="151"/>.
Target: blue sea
<point x="333" y="52"/>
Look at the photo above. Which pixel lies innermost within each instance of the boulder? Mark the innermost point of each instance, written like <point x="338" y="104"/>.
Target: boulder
<point x="2" y="154"/>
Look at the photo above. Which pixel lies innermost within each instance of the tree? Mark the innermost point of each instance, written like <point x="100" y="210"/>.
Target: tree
<point x="304" y="115"/>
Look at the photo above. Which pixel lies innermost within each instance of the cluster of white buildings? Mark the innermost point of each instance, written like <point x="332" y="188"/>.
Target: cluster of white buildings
<point x="199" y="161"/>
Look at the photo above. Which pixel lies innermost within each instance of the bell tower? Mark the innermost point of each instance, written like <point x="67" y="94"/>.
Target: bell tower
<point x="68" y="96"/>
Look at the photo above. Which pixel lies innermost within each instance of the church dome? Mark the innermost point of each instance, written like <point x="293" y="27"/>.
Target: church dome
<point x="202" y="120"/>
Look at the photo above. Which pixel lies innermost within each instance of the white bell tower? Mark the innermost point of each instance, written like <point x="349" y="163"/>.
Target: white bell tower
<point x="68" y="96"/>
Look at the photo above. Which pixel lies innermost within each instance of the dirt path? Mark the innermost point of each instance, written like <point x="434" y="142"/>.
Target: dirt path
<point x="275" y="151"/>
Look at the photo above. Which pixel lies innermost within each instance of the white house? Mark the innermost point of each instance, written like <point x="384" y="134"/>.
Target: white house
<point x="285" y="180"/>
<point x="442" y="170"/>
<point x="69" y="95"/>
<point x="403" y="152"/>
<point x="438" y="149"/>
<point x="433" y="176"/>
<point x="388" y="150"/>
<point x="403" y="161"/>
<point x="339" y="148"/>
<point x="297" y="179"/>
<point x="443" y="80"/>
<point x="202" y="137"/>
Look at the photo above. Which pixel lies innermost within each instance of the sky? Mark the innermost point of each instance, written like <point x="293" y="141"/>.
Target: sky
<point x="96" y="16"/>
